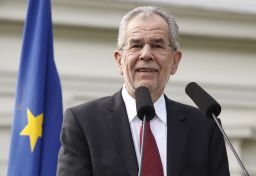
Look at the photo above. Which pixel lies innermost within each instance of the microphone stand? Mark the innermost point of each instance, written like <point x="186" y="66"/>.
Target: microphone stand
<point x="230" y="146"/>
<point x="142" y="144"/>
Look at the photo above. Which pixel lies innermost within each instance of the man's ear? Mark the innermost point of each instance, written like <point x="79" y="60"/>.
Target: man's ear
<point x="176" y="60"/>
<point x="118" y="58"/>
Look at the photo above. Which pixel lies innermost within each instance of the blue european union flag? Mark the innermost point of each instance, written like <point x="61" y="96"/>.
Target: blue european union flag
<point x="38" y="109"/>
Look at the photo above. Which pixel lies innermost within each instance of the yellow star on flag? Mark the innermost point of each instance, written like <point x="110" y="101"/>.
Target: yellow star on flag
<point x="34" y="128"/>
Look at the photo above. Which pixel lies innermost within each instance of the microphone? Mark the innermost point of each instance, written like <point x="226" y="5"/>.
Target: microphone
<point x="144" y="104"/>
<point x="203" y="100"/>
<point x="211" y="108"/>
<point x="145" y="112"/>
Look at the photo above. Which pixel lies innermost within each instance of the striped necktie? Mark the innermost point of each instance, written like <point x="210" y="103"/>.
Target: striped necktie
<point x="151" y="164"/>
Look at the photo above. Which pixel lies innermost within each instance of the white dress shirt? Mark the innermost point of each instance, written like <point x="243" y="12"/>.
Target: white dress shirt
<point x="158" y="126"/>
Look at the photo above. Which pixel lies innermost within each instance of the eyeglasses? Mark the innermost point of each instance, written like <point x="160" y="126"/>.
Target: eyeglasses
<point x="158" y="45"/>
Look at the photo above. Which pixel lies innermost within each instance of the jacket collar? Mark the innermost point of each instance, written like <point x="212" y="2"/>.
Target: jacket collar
<point x="118" y="124"/>
<point x="176" y="136"/>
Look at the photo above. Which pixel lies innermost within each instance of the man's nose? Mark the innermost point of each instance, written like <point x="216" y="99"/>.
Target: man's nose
<point x="146" y="53"/>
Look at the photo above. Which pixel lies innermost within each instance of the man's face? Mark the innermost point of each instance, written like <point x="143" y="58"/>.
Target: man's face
<point x="146" y="58"/>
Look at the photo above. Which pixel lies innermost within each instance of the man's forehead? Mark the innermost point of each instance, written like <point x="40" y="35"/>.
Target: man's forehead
<point x="148" y="36"/>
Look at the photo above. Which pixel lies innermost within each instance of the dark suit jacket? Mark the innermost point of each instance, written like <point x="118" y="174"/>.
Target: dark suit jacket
<point x="96" y="140"/>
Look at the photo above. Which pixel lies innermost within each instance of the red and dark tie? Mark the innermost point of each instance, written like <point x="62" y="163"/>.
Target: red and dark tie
<point x="151" y="165"/>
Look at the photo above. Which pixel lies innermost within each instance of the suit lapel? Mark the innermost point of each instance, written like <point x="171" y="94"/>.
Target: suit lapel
<point x="176" y="137"/>
<point x="119" y="126"/>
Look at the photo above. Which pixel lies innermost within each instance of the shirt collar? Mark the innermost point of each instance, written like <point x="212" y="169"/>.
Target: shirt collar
<point x="159" y="105"/>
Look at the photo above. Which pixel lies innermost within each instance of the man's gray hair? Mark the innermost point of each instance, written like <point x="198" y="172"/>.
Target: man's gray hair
<point x="147" y="11"/>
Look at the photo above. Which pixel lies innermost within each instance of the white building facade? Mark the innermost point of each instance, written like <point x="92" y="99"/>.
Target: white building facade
<point x="219" y="52"/>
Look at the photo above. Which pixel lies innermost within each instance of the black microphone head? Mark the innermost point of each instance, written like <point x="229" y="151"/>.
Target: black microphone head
<point x="203" y="100"/>
<point x="144" y="104"/>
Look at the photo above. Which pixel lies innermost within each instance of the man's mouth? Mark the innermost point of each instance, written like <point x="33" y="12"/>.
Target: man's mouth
<point x="146" y="70"/>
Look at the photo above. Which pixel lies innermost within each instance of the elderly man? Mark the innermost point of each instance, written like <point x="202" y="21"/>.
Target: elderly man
<point x="102" y="137"/>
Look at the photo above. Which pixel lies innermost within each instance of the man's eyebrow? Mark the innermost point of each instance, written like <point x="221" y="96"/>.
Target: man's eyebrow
<point x="154" y="40"/>
<point x="157" y="40"/>
<point x="135" y="40"/>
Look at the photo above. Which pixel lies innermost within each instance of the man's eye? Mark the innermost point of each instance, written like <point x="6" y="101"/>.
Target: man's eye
<point x="136" y="46"/>
<point x="157" y="46"/>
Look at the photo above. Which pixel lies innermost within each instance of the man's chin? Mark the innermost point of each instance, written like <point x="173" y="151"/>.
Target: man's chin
<point x="149" y="85"/>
